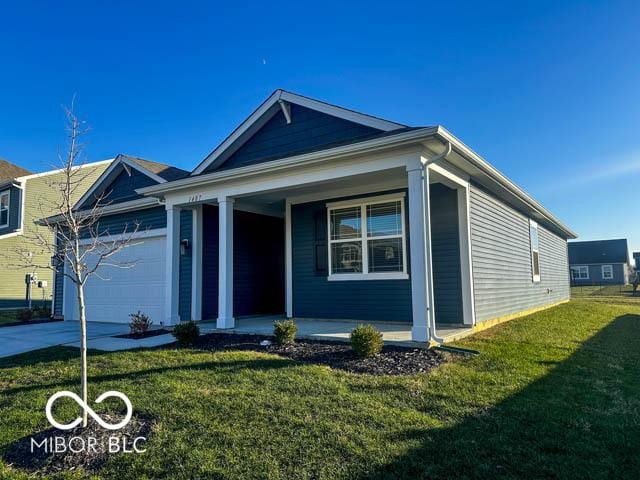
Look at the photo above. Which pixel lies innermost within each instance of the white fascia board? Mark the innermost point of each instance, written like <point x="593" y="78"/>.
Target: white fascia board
<point x="340" y="112"/>
<point x="367" y="146"/>
<point x="60" y="170"/>
<point x="138" y="204"/>
<point x="501" y="179"/>
<point x="314" y="174"/>
<point x="281" y="95"/>
<point x="120" y="159"/>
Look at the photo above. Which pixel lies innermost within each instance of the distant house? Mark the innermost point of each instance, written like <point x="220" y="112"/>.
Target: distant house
<point x="24" y="197"/>
<point x="636" y="261"/>
<point x="600" y="262"/>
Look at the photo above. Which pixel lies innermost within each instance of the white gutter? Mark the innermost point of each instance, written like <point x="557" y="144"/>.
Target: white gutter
<point x="427" y="236"/>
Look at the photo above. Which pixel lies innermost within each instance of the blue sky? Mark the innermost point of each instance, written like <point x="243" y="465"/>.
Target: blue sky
<point x="546" y="91"/>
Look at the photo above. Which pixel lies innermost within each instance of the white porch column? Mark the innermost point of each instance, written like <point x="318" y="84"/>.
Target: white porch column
<point x="172" y="266"/>
<point x="225" y="263"/>
<point x="466" y="265"/>
<point x="418" y="251"/>
<point x="288" y="262"/>
<point x="196" y="265"/>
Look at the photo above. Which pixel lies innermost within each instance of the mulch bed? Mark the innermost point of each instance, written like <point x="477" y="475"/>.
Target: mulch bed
<point x="17" y="323"/>
<point x="45" y="462"/>
<point x="147" y="334"/>
<point x="393" y="360"/>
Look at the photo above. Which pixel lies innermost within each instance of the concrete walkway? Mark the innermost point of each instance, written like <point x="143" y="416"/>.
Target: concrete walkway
<point x="26" y="338"/>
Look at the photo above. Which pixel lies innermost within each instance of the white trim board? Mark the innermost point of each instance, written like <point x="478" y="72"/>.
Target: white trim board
<point x="280" y="98"/>
<point x="119" y="160"/>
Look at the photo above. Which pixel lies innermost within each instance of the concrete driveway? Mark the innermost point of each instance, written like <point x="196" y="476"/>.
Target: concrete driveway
<point x="25" y="338"/>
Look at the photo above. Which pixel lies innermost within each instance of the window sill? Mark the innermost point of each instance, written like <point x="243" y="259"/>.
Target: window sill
<point x="341" y="277"/>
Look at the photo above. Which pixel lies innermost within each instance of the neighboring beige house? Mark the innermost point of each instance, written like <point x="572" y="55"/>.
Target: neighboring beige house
<point x="24" y="198"/>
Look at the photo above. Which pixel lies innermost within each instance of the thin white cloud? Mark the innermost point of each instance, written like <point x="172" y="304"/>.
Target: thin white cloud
<point x="602" y="170"/>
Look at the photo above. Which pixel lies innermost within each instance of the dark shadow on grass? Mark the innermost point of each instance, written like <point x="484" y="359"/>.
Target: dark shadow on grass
<point x="45" y="355"/>
<point x="582" y="420"/>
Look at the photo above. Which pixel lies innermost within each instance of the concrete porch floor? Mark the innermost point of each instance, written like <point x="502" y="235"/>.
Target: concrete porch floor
<point x="393" y="333"/>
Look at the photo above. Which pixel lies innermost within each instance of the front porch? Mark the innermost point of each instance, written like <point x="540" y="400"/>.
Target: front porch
<point x="393" y="333"/>
<point x="382" y="241"/>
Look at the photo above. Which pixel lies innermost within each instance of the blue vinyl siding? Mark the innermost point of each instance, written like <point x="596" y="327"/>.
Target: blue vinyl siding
<point x="595" y="275"/>
<point x="309" y="130"/>
<point x="501" y="257"/>
<point x="209" y="262"/>
<point x="147" y="219"/>
<point x="445" y="247"/>
<point x="184" y="295"/>
<point x="15" y="204"/>
<point x="316" y="297"/>
<point x="122" y="188"/>
<point x="258" y="264"/>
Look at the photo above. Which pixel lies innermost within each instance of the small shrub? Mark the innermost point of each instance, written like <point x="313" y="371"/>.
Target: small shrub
<point x="284" y="331"/>
<point x="366" y="340"/>
<point x="186" y="333"/>
<point x="41" y="312"/>
<point x="24" y="315"/>
<point x="139" y="323"/>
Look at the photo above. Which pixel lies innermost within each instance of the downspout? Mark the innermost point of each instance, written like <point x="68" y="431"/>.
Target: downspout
<point x="433" y="337"/>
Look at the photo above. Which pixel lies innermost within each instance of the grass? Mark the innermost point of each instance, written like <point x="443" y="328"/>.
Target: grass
<point x="553" y="395"/>
<point x="8" y="316"/>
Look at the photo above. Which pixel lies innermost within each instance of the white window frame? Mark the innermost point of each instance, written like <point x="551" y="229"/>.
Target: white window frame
<point x="610" y="270"/>
<point x="532" y="224"/>
<point x="6" y="193"/>
<point x="363" y="203"/>
<point x="579" y="269"/>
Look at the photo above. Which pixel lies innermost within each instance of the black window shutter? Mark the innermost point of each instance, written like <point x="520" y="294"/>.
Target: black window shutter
<point x="320" y="220"/>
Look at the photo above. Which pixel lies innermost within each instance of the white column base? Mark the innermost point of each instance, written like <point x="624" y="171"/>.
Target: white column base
<point x="420" y="333"/>
<point x="225" y="322"/>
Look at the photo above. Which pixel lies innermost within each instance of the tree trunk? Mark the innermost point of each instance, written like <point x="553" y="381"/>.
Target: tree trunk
<point x="83" y="352"/>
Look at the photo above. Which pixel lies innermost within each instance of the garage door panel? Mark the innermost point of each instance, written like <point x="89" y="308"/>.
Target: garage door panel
<point x="116" y="292"/>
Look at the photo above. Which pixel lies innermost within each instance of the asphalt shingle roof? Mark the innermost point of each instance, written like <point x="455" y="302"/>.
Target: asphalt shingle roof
<point x="9" y="171"/>
<point x="599" y="251"/>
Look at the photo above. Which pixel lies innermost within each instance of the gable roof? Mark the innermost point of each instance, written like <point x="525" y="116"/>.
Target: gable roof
<point x="599" y="251"/>
<point x="157" y="173"/>
<point x="9" y="171"/>
<point x="279" y="103"/>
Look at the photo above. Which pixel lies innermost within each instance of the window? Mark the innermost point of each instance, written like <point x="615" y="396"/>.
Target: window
<point x="580" y="272"/>
<point x="367" y="239"/>
<point x="607" y="272"/>
<point x="4" y="208"/>
<point x="535" y="250"/>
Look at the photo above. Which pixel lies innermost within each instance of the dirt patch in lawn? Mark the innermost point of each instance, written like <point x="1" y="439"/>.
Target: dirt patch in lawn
<point x="147" y="334"/>
<point x="54" y="451"/>
<point x="393" y="360"/>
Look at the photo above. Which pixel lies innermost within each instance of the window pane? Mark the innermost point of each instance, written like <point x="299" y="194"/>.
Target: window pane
<point x="534" y="237"/>
<point x="4" y="217"/>
<point x="385" y="255"/>
<point x="384" y="219"/>
<point x="536" y="263"/>
<point x="346" y="257"/>
<point x="4" y="201"/>
<point x="345" y="223"/>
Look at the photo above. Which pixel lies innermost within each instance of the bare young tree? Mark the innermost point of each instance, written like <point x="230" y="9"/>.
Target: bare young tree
<point x="74" y="238"/>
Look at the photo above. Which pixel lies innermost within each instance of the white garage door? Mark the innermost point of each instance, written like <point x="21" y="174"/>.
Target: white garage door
<point x="117" y="292"/>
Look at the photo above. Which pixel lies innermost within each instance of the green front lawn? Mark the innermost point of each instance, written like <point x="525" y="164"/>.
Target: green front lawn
<point x="8" y="316"/>
<point x="553" y="395"/>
